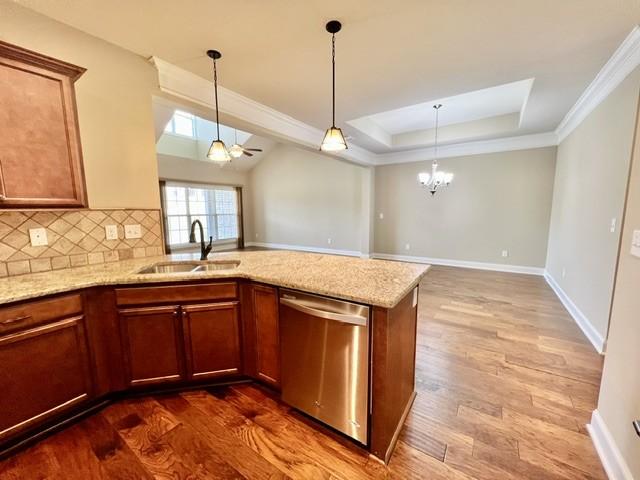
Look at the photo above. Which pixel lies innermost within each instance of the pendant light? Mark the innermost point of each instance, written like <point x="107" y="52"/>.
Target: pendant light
<point x="236" y="149"/>
<point x="218" y="150"/>
<point x="437" y="178"/>
<point x="333" y="139"/>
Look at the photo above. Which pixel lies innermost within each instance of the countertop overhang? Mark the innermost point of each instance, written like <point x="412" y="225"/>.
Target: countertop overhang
<point x="374" y="282"/>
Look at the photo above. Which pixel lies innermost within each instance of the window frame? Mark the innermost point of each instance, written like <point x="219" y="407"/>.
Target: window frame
<point x="238" y="240"/>
<point x="172" y="123"/>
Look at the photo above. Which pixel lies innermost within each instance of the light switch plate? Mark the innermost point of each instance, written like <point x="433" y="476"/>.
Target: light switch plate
<point x="635" y="243"/>
<point x="132" y="231"/>
<point x="111" y="232"/>
<point x="38" y="237"/>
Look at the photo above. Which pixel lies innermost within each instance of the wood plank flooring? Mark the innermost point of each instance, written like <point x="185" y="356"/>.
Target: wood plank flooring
<point x="506" y="383"/>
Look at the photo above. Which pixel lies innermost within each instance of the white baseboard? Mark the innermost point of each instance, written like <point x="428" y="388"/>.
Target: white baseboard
<point x="301" y="248"/>
<point x="497" y="267"/>
<point x="609" y="453"/>
<point x="580" y="318"/>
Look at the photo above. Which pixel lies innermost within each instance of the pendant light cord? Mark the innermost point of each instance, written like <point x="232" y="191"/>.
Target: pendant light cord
<point x="215" y="89"/>
<point x="435" y="159"/>
<point x="333" y="85"/>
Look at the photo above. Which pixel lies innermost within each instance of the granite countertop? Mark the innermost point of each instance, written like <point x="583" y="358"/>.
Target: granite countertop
<point x="375" y="282"/>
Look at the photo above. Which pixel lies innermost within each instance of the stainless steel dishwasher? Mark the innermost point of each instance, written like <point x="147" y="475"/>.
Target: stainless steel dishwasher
<point x="325" y="360"/>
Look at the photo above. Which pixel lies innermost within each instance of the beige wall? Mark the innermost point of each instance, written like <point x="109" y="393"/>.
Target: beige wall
<point x="591" y="176"/>
<point x="498" y="201"/>
<point x="619" y="402"/>
<point x="188" y="170"/>
<point x="302" y="198"/>
<point x="114" y="107"/>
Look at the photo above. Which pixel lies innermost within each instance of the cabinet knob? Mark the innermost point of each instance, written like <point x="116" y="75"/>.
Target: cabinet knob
<point x="2" y="197"/>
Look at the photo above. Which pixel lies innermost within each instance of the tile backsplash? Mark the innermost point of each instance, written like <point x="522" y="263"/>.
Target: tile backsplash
<point x="74" y="237"/>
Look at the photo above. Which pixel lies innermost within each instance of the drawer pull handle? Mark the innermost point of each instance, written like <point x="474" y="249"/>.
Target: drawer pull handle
<point x="15" y="320"/>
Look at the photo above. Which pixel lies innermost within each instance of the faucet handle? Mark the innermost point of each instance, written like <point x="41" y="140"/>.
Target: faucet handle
<point x="207" y="249"/>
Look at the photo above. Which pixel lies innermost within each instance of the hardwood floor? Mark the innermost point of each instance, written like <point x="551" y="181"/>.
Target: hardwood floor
<point x="506" y="383"/>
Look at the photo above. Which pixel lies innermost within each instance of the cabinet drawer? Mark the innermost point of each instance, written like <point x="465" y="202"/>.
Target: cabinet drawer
<point x="177" y="293"/>
<point x="27" y="315"/>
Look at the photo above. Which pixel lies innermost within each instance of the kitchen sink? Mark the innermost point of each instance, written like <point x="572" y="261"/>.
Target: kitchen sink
<point x="189" y="267"/>
<point x="212" y="266"/>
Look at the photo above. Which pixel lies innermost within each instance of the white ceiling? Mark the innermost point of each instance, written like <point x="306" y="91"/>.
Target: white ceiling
<point x="492" y="104"/>
<point x="389" y="55"/>
<point x="466" y="107"/>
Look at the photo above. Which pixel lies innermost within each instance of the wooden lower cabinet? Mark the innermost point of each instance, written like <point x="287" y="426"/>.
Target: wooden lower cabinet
<point x="212" y="340"/>
<point x="266" y="341"/>
<point x="152" y="345"/>
<point x="44" y="372"/>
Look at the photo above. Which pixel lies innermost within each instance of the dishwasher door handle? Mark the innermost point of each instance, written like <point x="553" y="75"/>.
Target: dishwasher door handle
<point x="316" y="312"/>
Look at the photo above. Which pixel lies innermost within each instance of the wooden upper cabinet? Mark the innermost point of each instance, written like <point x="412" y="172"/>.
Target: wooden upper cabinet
<point x="212" y="340"/>
<point x="40" y="153"/>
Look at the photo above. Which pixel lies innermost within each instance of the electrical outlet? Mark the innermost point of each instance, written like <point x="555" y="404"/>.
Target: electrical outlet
<point x="564" y="272"/>
<point x="111" y="232"/>
<point x="407" y="246"/>
<point x="257" y="235"/>
<point x="329" y="241"/>
<point x="381" y="215"/>
<point x="612" y="227"/>
<point x="38" y="237"/>
<point x="635" y="243"/>
<point x="132" y="231"/>
<point x="505" y="253"/>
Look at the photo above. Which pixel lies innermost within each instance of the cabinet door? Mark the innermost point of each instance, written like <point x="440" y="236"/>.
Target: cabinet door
<point x="212" y="340"/>
<point x="44" y="371"/>
<point x="40" y="154"/>
<point x="267" y="333"/>
<point x="152" y="345"/>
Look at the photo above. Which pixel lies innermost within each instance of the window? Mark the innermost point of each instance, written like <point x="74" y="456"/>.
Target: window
<point x="215" y="206"/>
<point x="182" y="123"/>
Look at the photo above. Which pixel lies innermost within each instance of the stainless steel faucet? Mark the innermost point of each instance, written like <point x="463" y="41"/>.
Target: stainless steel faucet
<point x="204" y="250"/>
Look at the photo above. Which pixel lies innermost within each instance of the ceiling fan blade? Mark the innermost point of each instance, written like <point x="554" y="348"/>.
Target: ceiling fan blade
<point x="253" y="149"/>
<point x="248" y="154"/>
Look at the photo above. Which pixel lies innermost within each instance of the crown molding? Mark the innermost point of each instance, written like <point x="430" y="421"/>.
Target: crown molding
<point x="185" y="85"/>
<point x="623" y="61"/>
<point x="188" y="86"/>
<point x="522" y="142"/>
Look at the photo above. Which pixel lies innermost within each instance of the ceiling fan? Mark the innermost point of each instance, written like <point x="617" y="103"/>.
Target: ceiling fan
<point x="236" y="150"/>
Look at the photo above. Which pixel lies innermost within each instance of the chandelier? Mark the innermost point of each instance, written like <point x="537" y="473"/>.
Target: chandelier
<point x="436" y="178"/>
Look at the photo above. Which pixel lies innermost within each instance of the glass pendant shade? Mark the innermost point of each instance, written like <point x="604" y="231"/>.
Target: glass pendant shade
<point x="235" y="151"/>
<point x="218" y="152"/>
<point x="333" y="140"/>
<point x="423" y="178"/>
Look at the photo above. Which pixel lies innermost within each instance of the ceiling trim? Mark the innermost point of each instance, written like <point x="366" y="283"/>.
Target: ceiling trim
<point x="189" y="86"/>
<point x="523" y="142"/>
<point x="623" y="61"/>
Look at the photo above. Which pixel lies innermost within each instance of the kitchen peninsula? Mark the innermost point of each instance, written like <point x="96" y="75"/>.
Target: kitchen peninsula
<point x="105" y="330"/>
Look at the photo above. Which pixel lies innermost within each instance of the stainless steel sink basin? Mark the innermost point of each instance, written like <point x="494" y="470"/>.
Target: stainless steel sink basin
<point x="212" y="266"/>
<point x="189" y="267"/>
